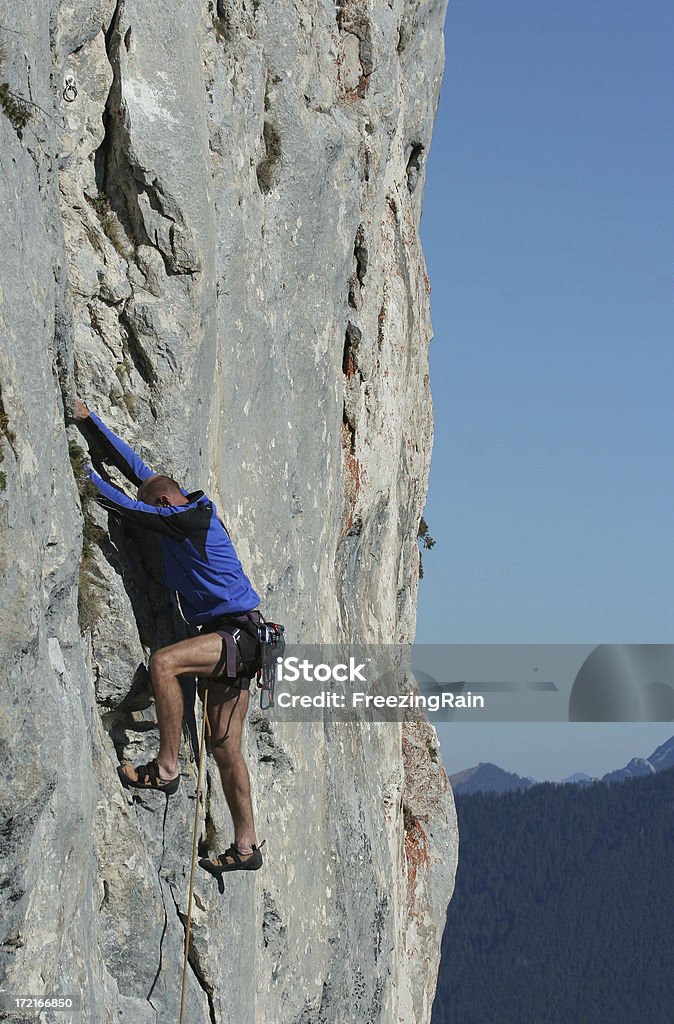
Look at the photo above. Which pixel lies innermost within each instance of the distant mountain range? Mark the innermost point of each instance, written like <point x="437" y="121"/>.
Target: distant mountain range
<point x="579" y="777"/>
<point x="489" y="778"/>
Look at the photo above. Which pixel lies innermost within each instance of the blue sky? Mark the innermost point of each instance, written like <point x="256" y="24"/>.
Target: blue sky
<point x="547" y="230"/>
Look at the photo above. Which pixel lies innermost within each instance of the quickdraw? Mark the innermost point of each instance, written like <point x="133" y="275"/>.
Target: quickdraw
<point x="272" y="646"/>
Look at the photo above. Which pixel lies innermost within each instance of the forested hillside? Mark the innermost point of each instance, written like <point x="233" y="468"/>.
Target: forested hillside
<point x="563" y="911"/>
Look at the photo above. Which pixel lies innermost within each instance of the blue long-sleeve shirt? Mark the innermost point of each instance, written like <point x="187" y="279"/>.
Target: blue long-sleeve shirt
<point x="199" y="558"/>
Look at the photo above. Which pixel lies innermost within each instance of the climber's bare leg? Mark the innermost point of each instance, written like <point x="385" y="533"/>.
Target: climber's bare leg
<point x="227" y="707"/>
<point x="199" y="655"/>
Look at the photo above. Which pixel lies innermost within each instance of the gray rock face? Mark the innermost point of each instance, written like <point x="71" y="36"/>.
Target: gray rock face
<point x="210" y="234"/>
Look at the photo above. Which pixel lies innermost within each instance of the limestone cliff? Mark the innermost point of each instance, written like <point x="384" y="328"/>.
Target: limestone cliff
<point x="209" y="231"/>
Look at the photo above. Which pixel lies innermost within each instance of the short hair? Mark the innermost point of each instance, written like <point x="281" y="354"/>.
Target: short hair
<point x="155" y="486"/>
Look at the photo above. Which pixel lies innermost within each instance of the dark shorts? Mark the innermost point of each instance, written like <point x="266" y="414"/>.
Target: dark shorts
<point x="239" y="660"/>
<point x="238" y="683"/>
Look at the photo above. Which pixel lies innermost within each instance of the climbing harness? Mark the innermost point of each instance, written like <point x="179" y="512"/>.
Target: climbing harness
<point x="204" y="724"/>
<point x="240" y="644"/>
<point x="251" y="646"/>
<point x="269" y="648"/>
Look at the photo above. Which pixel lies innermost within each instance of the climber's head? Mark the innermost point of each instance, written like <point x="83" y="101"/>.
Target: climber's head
<point x="161" y="490"/>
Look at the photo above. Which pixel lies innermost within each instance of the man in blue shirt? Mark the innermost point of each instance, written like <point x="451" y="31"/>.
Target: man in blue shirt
<point x="200" y="563"/>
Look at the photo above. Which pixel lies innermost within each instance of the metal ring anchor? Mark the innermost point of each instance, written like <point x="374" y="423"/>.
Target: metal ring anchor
<point x="69" y="88"/>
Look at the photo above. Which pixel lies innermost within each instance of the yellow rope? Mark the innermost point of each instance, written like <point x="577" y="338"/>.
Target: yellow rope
<point x="204" y="723"/>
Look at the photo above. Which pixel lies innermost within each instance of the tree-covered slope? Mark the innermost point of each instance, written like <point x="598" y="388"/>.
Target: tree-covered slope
<point x="563" y="911"/>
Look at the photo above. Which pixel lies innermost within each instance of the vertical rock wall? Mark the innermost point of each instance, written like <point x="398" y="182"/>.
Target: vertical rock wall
<point x="209" y="231"/>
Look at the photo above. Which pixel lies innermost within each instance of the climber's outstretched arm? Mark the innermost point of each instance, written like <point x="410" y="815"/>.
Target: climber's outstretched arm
<point x="173" y="521"/>
<point x="113" y="449"/>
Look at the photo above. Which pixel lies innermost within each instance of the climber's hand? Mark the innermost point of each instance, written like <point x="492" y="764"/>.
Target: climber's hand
<point x="81" y="411"/>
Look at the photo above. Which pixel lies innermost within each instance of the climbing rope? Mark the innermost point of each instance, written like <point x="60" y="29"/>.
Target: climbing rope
<point x="204" y="724"/>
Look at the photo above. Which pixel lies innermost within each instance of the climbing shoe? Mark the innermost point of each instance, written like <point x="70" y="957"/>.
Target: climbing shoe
<point x="147" y="777"/>
<point x="232" y="860"/>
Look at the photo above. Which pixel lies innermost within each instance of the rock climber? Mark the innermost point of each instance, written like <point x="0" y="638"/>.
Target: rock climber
<point x="216" y="596"/>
